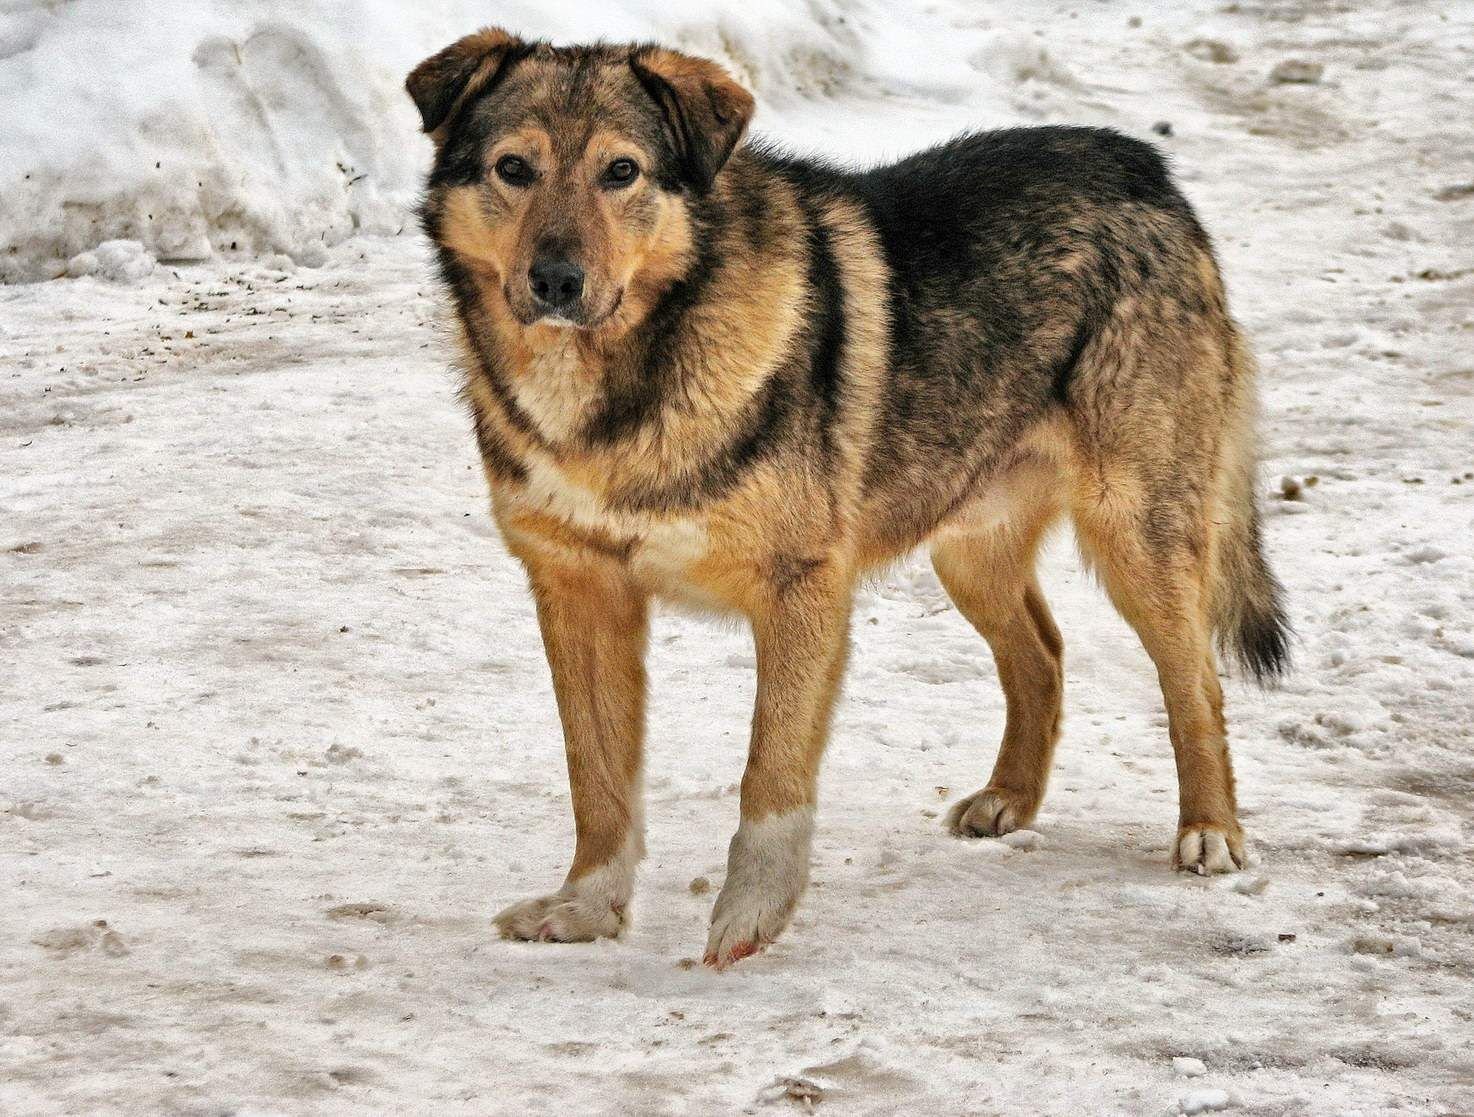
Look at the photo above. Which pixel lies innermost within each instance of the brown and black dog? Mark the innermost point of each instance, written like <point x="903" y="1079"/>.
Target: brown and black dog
<point x="732" y="378"/>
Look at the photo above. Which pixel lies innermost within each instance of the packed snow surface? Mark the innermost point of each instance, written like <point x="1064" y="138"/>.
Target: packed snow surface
<point x="278" y="738"/>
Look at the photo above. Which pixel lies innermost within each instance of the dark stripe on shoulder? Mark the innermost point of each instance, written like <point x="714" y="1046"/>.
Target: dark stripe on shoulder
<point x="826" y="326"/>
<point x="758" y="436"/>
<point x="759" y="433"/>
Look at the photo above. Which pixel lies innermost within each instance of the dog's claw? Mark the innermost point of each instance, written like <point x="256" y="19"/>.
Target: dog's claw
<point x="738" y="952"/>
<point x="990" y="813"/>
<point x="1207" y="849"/>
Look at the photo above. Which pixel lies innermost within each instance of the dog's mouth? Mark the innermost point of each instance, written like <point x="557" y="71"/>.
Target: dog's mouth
<point x="528" y="316"/>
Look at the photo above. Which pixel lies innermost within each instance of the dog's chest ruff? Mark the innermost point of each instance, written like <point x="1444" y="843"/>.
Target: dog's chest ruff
<point x="555" y="390"/>
<point x="660" y="552"/>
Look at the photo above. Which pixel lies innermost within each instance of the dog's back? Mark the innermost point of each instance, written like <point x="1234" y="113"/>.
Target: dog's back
<point x="1050" y="297"/>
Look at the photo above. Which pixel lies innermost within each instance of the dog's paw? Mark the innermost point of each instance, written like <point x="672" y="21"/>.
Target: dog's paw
<point x="990" y="813"/>
<point x="745" y="921"/>
<point x="767" y="871"/>
<point x="593" y="907"/>
<point x="568" y="915"/>
<point x="1207" y="848"/>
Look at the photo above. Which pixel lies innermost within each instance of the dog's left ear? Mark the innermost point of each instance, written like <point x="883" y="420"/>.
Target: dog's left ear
<point x="444" y="82"/>
<point x="705" y="110"/>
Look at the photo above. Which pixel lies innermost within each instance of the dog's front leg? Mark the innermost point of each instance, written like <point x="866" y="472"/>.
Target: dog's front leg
<point x="800" y="628"/>
<point x="594" y="624"/>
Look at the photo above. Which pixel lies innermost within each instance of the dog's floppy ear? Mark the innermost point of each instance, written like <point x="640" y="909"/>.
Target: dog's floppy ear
<point x="444" y="82"/>
<point x="705" y="110"/>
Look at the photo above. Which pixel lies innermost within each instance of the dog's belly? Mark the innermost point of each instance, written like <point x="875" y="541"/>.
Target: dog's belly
<point x="1026" y="491"/>
<point x="991" y="507"/>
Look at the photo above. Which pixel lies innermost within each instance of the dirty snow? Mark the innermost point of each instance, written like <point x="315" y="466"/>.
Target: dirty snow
<point x="233" y="128"/>
<point x="278" y="739"/>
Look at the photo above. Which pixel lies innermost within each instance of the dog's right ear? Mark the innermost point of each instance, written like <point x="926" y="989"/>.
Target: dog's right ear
<point x="444" y="82"/>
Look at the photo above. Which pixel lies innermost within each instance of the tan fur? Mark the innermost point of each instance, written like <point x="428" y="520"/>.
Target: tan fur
<point x="785" y="542"/>
<point x="985" y="561"/>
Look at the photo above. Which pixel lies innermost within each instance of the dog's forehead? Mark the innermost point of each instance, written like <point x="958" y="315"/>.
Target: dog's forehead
<point x="572" y="95"/>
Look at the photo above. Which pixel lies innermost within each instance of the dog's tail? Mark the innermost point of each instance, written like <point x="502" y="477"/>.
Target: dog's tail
<point x="1248" y="610"/>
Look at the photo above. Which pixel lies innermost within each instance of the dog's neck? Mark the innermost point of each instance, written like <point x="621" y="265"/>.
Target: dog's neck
<point x="556" y="375"/>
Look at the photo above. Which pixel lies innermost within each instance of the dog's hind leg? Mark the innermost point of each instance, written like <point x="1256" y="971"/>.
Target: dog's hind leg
<point x="990" y="578"/>
<point x="800" y="629"/>
<point x="1154" y="559"/>
<point x="594" y="625"/>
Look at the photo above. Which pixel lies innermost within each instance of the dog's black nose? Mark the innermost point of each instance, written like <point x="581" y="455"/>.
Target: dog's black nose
<point x="557" y="282"/>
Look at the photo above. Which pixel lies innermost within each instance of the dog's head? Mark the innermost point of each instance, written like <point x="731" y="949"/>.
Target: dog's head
<point x="563" y="176"/>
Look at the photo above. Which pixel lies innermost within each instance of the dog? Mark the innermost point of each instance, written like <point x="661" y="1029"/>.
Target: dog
<point x="706" y="371"/>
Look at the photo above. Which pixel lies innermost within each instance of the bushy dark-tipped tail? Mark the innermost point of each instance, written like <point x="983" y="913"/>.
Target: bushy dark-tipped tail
<point x="1248" y="602"/>
<point x="1251" y="624"/>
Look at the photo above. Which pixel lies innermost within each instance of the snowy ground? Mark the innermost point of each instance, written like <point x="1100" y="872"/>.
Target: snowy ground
<point x="278" y="738"/>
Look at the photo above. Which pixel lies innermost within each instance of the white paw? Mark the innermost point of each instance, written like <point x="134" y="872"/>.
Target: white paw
<point x="595" y="906"/>
<point x="767" y="871"/>
<point x="1206" y="849"/>
<point x="989" y="813"/>
<point x="565" y="916"/>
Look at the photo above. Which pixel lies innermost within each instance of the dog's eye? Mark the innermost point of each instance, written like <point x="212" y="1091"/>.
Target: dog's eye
<point x="514" y="171"/>
<point x="621" y="172"/>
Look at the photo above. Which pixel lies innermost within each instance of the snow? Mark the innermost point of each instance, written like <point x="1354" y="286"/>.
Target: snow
<point x="1185" y="1067"/>
<point x="122" y="261"/>
<point x="279" y="739"/>
<point x="276" y="126"/>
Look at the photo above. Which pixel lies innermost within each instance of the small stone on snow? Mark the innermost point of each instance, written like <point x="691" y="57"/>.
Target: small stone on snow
<point x="1212" y="50"/>
<point x="801" y="1091"/>
<point x="1296" y="71"/>
<point x="1203" y="1101"/>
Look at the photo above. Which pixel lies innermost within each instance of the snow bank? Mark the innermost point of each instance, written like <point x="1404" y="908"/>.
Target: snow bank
<point x="270" y="126"/>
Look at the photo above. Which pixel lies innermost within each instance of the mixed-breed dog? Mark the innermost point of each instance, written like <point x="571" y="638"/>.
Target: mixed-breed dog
<point x="725" y="376"/>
